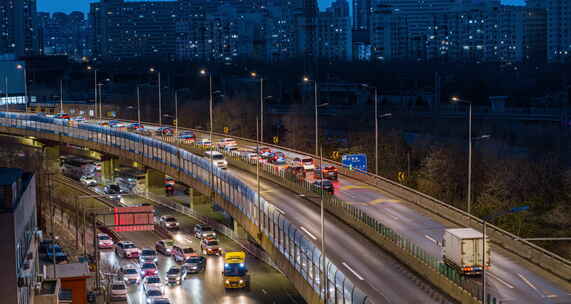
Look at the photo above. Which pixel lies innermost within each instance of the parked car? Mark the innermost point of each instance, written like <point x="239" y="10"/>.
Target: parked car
<point x="202" y="231"/>
<point x="104" y="241"/>
<point x="118" y="291"/>
<point x="126" y="249"/>
<point x="164" y="246"/>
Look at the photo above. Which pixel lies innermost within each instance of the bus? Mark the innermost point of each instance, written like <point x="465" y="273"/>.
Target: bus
<point x="77" y="167"/>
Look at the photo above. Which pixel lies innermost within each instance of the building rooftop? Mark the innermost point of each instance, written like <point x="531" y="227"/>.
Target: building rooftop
<point x="73" y="270"/>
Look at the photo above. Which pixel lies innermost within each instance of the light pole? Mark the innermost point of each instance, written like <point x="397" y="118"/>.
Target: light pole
<point x="61" y="95"/>
<point x="258" y="178"/>
<point x="138" y="106"/>
<point x="23" y="68"/>
<point x="204" y="72"/>
<point x="99" y="86"/>
<point x="254" y="75"/>
<point x="377" y="117"/>
<point x="6" y="87"/>
<point x="322" y="219"/>
<point x="176" y="113"/>
<point x="89" y="68"/>
<point x="469" y="103"/>
<point x="153" y="70"/>
<point x="306" y="79"/>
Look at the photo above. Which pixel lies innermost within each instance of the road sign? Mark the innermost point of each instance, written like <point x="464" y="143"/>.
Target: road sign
<point x="276" y="140"/>
<point x="226" y="130"/>
<point x="401" y="177"/>
<point x="335" y="155"/>
<point x="355" y="161"/>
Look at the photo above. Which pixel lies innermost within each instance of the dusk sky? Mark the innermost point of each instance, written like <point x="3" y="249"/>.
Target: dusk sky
<point x="83" y="5"/>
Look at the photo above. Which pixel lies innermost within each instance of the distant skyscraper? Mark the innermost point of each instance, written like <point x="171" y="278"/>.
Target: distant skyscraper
<point x="64" y="34"/>
<point x="18" y="27"/>
<point x="334" y="32"/>
<point x="361" y="13"/>
<point x="134" y="29"/>
<point x="388" y="34"/>
<point x="559" y="30"/>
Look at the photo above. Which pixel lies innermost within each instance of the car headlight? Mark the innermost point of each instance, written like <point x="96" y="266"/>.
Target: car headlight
<point x="169" y="250"/>
<point x="155" y="259"/>
<point x="227" y="282"/>
<point x="241" y="281"/>
<point x="142" y="272"/>
<point x="126" y="279"/>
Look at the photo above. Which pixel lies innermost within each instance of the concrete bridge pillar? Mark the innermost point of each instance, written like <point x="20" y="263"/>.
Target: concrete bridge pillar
<point x="108" y="169"/>
<point x="155" y="181"/>
<point x="52" y="154"/>
<point x="239" y="230"/>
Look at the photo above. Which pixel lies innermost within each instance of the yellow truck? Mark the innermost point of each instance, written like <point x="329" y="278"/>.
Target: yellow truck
<point x="235" y="272"/>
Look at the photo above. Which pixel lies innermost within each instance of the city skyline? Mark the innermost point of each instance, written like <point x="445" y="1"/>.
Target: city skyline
<point x="68" y="6"/>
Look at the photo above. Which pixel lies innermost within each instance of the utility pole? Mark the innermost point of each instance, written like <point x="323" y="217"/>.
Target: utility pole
<point x="138" y="106"/>
<point x="61" y="95"/>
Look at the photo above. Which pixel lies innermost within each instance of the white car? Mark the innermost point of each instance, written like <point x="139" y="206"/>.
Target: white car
<point x="104" y="241"/>
<point x="118" y="291"/>
<point x="148" y="255"/>
<point x="168" y="222"/>
<point x="306" y="163"/>
<point x="224" y="142"/>
<point x="204" y="142"/>
<point x="153" y="294"/>
<point x="217" y="159"/>
<point x="89" y="181"/>
<point x="131" y="275"/>
<point x="152" y="282"/>
<point x="127" y="249"/>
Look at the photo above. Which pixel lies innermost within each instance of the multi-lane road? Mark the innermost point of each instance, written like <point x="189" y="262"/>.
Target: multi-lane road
<point x="379" y="274"/>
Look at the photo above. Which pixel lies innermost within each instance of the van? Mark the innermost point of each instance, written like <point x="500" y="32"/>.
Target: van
<point x="217" y="159"/>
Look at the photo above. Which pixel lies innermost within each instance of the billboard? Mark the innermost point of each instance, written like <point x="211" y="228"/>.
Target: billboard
<point x="355" y="161"/>
<point x="134" y="218"/>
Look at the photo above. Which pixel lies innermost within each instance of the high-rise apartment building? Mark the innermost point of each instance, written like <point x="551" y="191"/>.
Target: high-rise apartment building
<point x="388" y="34"/>
<point x="361" y="14"/>
<point x="18" y="27"/>
<point x="558" y="30"/>
<point x="122" y="29"/>
<point x="334" y="32"/>
<point x="64" y="34"/>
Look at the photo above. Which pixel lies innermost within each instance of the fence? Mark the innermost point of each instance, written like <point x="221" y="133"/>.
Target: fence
<point x="303" y="255"/>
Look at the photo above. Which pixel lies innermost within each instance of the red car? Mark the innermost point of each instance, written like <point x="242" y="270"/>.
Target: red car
<point x="149" y="269"/>
<point x="329" y="172"/>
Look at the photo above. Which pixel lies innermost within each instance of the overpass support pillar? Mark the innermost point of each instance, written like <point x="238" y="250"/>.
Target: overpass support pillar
<point x="239" y="230"/>
<point x="155" y="181"/>
<point x="108" y="169"/>
<point x="52" y="154"/>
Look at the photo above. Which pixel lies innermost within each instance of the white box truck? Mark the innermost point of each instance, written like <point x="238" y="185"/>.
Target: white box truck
<point x="462" y="249"/>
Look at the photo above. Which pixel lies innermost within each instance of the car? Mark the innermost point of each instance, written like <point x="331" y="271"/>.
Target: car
<point x="152" y="282"/>
<point x="148" y="255"/>
<point x="230" y="148"/>
<point x="126" y="249"/>
<point x="44" y="245"/>
<point x="62" y="116"/>
<point x="89" y="181"/>
<point x="113" y="190"/>
<point x="55" y="253"/>
<point x="194" y="263"/>
<point x="202" y="231"/>
<point x="175" y="275"/>
<point x="164" y="131"/>
<point x="187" y="138"/>
<point x="168" y="222"/>
<point x="264" y="150"/>
<point x="326" y="184"/>
<point x="104" y="241"/>
<point x="130" y="274"/>
<point x="278" y="158"/>
<point x="78" y="118"/>
<point x="296" y="172"/>
<point x="217" y="159"/>
<point x="98" y="166"/>
<point x="305" y="162"/>
<point x="153" y="294"/>
<point x="180" y="254"/>
<point x="118" y="291"/>
<point x="135" y="126"/>
<point x="149" y="269"/>
<point x="226" y="142"/>
<point x="204" y="142"/>
<point x="164" y="246"/>
<point x="209" y="246"/>
<point x="160" y="301"/>
<point x="329" y="172"/>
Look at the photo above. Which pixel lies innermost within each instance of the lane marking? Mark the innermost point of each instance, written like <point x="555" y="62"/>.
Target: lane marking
<point x="353" y="271"/>
<point x="391" y="214"/>
<point x="530" y="285"/>
<point x="430" y="238"/>
<point x="356" y="187"/>
<point x="383" y="200"/>
<point x="499" y="280"/>
<point x="308" y="233"/>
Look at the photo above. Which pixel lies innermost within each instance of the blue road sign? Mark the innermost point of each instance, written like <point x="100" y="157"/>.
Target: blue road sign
<point x="355" y="161"/>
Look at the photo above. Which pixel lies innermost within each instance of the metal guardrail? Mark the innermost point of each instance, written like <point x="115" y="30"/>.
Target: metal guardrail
<point x="303" y="255"/>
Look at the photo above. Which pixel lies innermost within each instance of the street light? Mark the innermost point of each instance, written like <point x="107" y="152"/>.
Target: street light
<point x="138" y="105"/>
<point x="307" y="80"/>
<point x="204" y="72"/>
<point x="377" y="116"/>
<point x="99" y="86"/>
<point x="90" y="68"/>
<point x="255" y="75"/>
<point x="456" y="99"/>
<point x="153" y="70"/>
<point x="23" y="68"/>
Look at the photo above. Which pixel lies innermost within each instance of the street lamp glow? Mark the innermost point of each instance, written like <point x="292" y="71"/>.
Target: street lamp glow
<point x="455" y="98"/>
<point x="203" y="72"/>
<point x="254" y="74"/>
<point x="89" y="68"/>
<point x="19" y="66"/>
<point x="152" y="70"/>
<point x="305" y="79"/>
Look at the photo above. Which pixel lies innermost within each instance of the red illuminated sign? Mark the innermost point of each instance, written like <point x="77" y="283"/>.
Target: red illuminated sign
<point x="134" y="218"/>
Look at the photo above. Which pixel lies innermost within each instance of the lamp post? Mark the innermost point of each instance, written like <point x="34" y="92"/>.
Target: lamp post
<point x="469" y="103"/>
<point x="153" y="70"/>
<point x="90" y="68"/>
<point x="99" y="86"/>
<point x="23" y="68"/>
<point x="306" y="79"/>
<point x="61" y="95"/>
<point x="176" y="114"/>
<point x="6" y="87"/>
<point x="386" y="115"/>
<point x="204" y="72"/>
<point x="138" y="105"/>
<point x="255" y="75"/>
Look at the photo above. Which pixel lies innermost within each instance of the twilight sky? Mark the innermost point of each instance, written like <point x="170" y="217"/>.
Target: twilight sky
<point x="83" y="5"/>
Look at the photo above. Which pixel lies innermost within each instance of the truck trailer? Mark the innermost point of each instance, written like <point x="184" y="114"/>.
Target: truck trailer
<point x="462" y="250"/>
